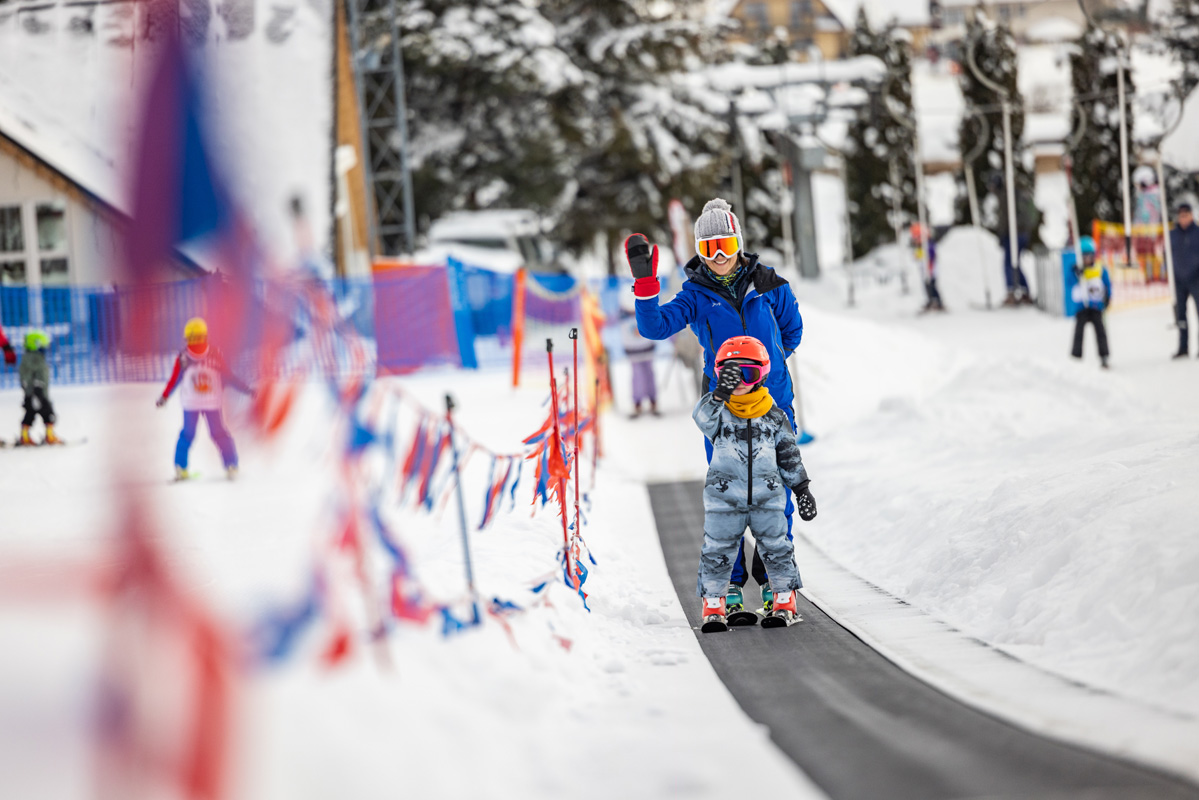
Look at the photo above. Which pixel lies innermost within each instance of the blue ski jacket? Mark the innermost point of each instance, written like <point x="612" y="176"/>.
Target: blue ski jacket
<point x="767" y="311"/>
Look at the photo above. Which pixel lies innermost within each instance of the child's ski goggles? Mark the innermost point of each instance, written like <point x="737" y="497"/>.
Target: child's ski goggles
<point x="724" y="245"/>
<point x="751" y="373"/>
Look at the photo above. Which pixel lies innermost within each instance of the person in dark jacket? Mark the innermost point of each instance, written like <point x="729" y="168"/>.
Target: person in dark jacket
<point x="728" y="293"/>
<point x="1028" y="219"/>
<point x="1184" y="244"/>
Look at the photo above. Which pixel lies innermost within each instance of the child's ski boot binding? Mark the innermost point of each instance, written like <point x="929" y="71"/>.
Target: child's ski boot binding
<point x="785" y="611"/>
<point x="735" y="608"/>
<point x="713" y="615"/>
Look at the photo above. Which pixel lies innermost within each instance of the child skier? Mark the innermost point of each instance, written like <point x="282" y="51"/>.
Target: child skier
<point x="199" y="371"/>
<point x="754" y="461"/>
<point x="1094" y="293"/>
<point x="916" y="238"/>
<point x="35" y="382"/>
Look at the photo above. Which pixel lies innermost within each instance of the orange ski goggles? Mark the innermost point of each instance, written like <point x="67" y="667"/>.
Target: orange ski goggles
<point x="725" y="245"/>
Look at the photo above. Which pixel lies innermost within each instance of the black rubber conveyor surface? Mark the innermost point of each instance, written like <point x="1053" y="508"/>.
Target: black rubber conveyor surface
<point x="863" y="729"/>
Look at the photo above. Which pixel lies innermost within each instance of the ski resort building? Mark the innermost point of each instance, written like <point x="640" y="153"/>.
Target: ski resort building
<point x="56" y="232"/>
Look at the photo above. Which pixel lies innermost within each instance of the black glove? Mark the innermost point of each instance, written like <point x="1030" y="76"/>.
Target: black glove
<point x="804" y="502"/>
<point x="728" y="380"/>
<point x="643" y="262"/>
<point x="160" y="402"/>
<point x="10" y="355"/>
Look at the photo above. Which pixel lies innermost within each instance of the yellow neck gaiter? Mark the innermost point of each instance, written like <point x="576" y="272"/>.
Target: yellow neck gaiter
<point x="751" y="405"/>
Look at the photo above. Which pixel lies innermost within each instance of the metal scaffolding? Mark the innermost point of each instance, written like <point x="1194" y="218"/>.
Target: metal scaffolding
<point x="379" y="78"/>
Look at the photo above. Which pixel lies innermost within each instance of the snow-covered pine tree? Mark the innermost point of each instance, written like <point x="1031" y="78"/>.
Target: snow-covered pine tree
<point x="878" y="147"/>
<point x="1097" y="175"/>
<point x="494" y="105"/>
<point x="995" y="55"/>
<point x="647" y="136"/>
<point x="1180" y="33"/>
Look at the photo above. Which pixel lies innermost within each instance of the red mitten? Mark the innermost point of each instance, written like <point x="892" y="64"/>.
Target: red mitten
<point x="643" y="262"/>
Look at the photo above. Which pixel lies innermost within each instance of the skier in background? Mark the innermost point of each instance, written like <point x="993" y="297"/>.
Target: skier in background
<point x="1028" y="219"/>
<point x="1184" y="242"/>
<point x="10" y="355"/>
<point x="930" y="280"/>
<point x="35" y="382"/>
<point x="641" y="355"/>
<point x="1094" y="293"/>
<point x="199" y="371"/>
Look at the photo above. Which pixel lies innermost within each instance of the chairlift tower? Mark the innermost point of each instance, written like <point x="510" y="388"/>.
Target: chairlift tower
<point x="379" y="79"/>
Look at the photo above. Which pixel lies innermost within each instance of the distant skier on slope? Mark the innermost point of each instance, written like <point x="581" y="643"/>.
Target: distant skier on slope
<point x="199" y="371"/>
<point x="10" y="355"/>
<point x="1184" y="242"/>
<point x="35" y="382"/>
<point x="930" y="280"/>
<point x="728" y="292"/>
<point x="1094" y="293"/>
<point x="755" y="461"/>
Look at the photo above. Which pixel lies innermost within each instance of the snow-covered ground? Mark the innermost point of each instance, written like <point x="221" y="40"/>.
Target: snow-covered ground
<point x="631" y="709"/>
<point x="963" y="463"/>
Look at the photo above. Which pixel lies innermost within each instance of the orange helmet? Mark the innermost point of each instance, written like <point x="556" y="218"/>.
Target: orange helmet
<point x="745" y="349"/>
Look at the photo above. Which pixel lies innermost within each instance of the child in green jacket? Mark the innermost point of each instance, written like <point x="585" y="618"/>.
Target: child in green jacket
<point x="35" y="382"/>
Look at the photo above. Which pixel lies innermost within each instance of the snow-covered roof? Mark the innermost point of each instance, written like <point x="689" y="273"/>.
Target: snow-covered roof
<point x="499" y="222"/>
<point x="1054" y="29"/>
<point x="68" y="92"/>
<point x="733" y="76"/>
<point x="913" y="13"/>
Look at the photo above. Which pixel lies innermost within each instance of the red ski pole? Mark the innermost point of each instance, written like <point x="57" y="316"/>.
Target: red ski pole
<point x="557" y="442"/>
<point x="574" y="337"/>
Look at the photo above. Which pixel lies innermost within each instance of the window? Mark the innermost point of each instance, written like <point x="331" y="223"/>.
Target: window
<point x="52" y="243"/>
<point x="755" y="17"/>
<point x="12" y="273"/>
<point x="12" y="247"/>
<point x="12" y="239"/>
<point x="51" y="226"/>
<point x="801" y="15"/>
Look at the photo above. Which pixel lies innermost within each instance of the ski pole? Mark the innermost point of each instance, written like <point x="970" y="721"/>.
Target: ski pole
<point x="470" y="573"/>
<point x="557" y="442"/>
<point x="574" y="338"/>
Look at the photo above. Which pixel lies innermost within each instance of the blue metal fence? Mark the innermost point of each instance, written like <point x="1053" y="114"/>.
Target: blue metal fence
<point x="86" y="326"/>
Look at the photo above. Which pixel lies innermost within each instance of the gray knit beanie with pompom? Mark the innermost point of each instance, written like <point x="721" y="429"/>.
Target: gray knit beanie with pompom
<point x="718" y="219"/>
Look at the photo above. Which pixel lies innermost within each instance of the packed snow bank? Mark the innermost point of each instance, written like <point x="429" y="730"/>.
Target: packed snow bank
<point x="629" y="710"/>
<point x="967" y="465"/>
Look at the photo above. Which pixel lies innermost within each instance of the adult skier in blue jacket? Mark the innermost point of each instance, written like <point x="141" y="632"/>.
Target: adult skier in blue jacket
<point x="728" y="293"/>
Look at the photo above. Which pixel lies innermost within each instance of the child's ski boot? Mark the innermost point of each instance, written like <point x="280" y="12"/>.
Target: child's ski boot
<point x="51" y="438"/>
<point x="231" y="472"/>
<point x="735" y="607"/>
<point x="784" y="613"/>
<point x="713" y="615"/>
<point x="26" y="440"/>
<point x="181" y="474"/>
<point x="767" y="599"/>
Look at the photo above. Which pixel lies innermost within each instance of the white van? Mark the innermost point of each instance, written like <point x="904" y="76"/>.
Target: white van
<point x="502" y="239"/>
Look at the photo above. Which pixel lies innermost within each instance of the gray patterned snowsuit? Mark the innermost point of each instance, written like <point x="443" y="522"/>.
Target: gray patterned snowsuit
<point x="742" y="491"/>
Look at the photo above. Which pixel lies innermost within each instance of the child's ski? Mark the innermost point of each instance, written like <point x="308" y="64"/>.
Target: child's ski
<point x="780" y="619"/>
<point x="714" y="624"/>
<point x="738" y="619"/>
